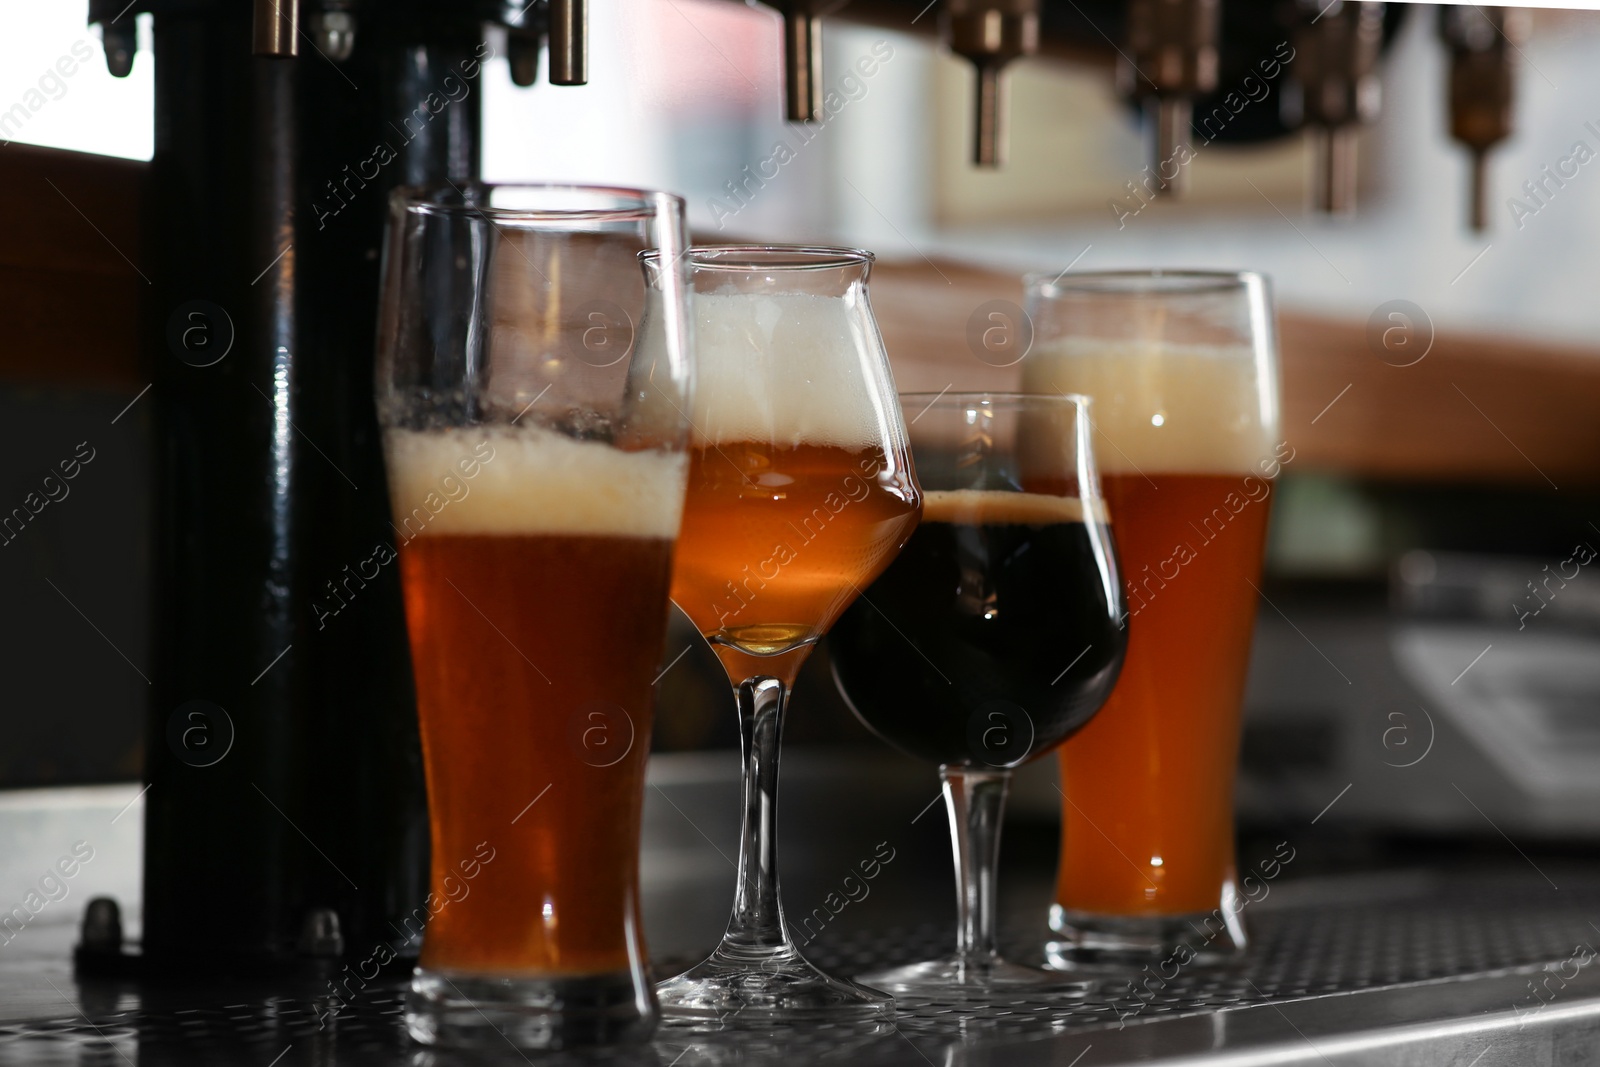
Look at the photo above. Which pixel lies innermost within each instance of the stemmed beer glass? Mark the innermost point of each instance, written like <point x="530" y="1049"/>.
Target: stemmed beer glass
<point x="996" y="633"/>
<point x="530" y="385"/>
<point x="800" y="492"/>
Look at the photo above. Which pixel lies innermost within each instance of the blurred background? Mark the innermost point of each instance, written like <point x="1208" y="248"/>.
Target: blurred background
<point x="1426" y="677"/>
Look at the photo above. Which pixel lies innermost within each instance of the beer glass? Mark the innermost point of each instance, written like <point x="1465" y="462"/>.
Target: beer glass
<point x="994" y="635"/>
<point x="531" y="378"/>
<point x="800" y="492"/>
<point x="1183" y="369"/>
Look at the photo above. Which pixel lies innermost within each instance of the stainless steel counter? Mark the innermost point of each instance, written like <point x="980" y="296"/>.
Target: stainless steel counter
<point x="1483" y="967"/>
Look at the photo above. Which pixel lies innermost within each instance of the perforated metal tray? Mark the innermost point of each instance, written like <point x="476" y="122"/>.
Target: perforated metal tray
<point x="1407" y="970"/>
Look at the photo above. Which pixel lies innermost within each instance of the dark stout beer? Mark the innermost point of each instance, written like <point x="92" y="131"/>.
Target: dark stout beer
<point x="991" y="637"/>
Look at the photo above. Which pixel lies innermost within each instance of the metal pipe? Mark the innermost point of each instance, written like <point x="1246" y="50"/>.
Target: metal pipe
<point x="275" y="29"/>
<point x="569" y="42"/>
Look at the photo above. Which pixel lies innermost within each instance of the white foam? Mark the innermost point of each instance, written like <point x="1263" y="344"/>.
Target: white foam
<point x="523" y="480"/>
<point x="978" y="507"/>
<point x="787" y="369"/>
<point x="1161" y="407"/>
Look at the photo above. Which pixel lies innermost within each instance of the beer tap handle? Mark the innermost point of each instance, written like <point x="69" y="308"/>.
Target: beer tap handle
<point x="990" y="34"/>
<point x="1170" y="57"/>
<point x="569" y="42"/>
<point x="802" y="55"/>
<point x="1336" y="59"/>
<point x="276" y="29"/>
<point x="1482" y="43"/>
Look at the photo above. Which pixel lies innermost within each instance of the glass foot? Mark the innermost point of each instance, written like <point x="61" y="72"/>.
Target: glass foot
<point x="1090" y="944"/>
<point x="759" y="987"/>
<point x="530" y="1013"/>
<point x="954" y="977"/>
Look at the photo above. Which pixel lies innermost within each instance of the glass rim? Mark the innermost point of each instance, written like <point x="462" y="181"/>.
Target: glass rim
<point x="1082" y="401"/>
<point x="627" y="203"/>
<point x="1154" y="282"/>
<point x="759" y="257"/>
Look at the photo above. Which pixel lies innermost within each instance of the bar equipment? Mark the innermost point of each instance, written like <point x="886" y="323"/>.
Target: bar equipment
<point x="802" y="55"/>
<point x="1335" y="69"/>
<point x="990" y="34"/>
<point x="1483" y="42"/>
<point x="268" y="190"/>
<point x="1170" y="58"/>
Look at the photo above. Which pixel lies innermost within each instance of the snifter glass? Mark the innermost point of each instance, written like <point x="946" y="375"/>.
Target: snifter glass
<point x="800" y="493"/>
<point x="1183" y="368"/>
<point x="532" y="378"/>
<point x="995" y="634"/>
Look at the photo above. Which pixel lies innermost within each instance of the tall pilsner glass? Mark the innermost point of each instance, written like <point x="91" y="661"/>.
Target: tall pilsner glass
<point x="1183" y="369"/>
<point x="800" y="493"/>
<point x="531" y="382"/>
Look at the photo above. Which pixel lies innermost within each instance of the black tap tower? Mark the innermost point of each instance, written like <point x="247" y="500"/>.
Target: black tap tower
<point x="285" y="788"/>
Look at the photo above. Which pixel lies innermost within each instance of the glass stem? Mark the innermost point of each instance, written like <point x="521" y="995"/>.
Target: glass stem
<point x="757" y="920"/>
<point x="976" y="800"/>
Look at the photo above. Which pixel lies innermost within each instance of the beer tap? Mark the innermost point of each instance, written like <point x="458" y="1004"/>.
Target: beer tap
<point x="990" y="34"/>
<point x="1336" y="60"/>
<point x="1171" y="57"/>
<point x="275" y="29"/>
<point x="1482" y="86"/>
<point x="566" y="25"/>
<point x="802" y="55"/>
<point x="569" y="41"/>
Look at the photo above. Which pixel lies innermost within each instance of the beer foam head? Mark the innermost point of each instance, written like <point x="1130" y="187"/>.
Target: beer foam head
<point x="529" y="480"/>
<point x="1164" y="407"/>
<point x="787" y="369"/>
<point x="981" y="507"/>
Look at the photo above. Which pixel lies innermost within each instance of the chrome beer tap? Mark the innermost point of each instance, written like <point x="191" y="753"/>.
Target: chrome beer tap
<point x="990" y="34"/>
<point x="1482" y="41"/>
<point x="1170" y="58"/>
<point x="1336" y="61"/>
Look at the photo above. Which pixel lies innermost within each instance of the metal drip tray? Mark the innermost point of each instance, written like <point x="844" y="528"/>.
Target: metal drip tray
<point x="1412" y="969"/>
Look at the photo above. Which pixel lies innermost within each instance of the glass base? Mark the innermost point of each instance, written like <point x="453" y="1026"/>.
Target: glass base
<point x="457" y="1011"/>
<point x="1088" y="942"/>
<point x="758" y="987"/>
<point x="952" y="977"/>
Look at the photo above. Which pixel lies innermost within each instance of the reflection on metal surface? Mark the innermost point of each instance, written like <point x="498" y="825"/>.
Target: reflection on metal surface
<point x="1434" y="972"/>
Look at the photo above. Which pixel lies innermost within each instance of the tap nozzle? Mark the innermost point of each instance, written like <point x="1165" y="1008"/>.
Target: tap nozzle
<point x="1170" y="58"/>
<point x="802" y="55"/>
<point x="523" y="46"/>
<point x="275" y="28"/>
<point x="120" y="39"/>
<point x="1482" y="41"/>
<point x="990" y="34"/>
<point x="569" y="42"/>
<point x="1336" y="68"/>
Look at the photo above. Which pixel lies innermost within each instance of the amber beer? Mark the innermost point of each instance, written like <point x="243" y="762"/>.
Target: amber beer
<point x="1188" y="456"/>
<point x="788" y="515"/>
<point x="535" y="581"/>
